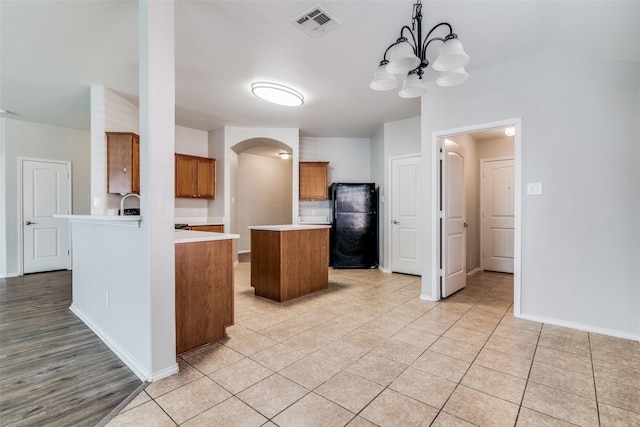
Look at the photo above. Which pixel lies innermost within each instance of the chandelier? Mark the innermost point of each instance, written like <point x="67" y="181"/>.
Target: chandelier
<point x="407" y="57"/>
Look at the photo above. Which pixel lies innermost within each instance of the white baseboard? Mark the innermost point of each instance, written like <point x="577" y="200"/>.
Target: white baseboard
<point x="124" y="355"/>
<point x="6" y="276"/>
<point x="474" y="271"/>
<point x="582" y="327"/>
<point x="427" y="298"/>
<point x="384" y="270"/>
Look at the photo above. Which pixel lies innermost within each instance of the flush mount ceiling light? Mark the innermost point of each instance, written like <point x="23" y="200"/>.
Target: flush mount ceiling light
<point x="406" y="57"/>
<point x="285" y="156"/>
<point x="510" y="131"/>
<point x="277" y="93"/>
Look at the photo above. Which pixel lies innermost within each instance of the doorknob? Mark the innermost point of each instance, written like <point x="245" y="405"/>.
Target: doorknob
<point x="465" y="225"/>
<point x="395" y="222"/>
<point x="29" y="222"/>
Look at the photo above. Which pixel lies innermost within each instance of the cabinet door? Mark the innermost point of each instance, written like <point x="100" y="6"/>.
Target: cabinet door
<point x="135" y="168"/>
<point x="210" y="228"/>
<point x="185" y="176"/>
<point x="206" y="178"/>
<point x="314" y="180"/>
<point x="123" y="162"/>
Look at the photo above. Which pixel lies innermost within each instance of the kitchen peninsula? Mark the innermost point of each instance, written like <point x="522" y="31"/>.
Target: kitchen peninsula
<point x="289" y="261"/>
<point x="204" y="287"/>
<point x="112" y="293"/>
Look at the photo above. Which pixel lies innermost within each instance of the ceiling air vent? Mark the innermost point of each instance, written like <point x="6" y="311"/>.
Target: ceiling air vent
<point x="315" y="21"/>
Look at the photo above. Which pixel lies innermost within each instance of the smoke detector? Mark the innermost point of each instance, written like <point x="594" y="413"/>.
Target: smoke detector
<point x="315" y="21"/>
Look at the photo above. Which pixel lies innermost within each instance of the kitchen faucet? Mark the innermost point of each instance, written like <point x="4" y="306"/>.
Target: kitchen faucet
<point x="125" y="198"/>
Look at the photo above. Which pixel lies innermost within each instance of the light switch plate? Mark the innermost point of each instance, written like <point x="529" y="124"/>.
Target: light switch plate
<point x="534" y="188"/>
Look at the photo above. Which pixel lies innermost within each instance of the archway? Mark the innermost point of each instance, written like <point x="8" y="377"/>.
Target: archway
<point x="261" y="191"/>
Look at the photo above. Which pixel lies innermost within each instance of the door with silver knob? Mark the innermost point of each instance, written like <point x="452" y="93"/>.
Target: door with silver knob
<point x="45" y="193"/>
<point x="406" y="246"/>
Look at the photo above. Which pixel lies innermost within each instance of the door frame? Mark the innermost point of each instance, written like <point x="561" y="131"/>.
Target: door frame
<point x="20" y="189"/>
<point x="436" y="137"/>
<point x="388" y="230"/>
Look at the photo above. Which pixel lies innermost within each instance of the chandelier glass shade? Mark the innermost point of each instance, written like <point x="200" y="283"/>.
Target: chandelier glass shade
<point x="412" y="87"/>
<point x="383" y="79"/>
<point x="406" y="58"/>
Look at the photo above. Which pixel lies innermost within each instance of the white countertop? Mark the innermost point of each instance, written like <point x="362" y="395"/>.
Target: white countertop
<point x="119" y="220"/>
<point x="199" y="220"/>
<point x="288" y="227"/>
<point x="188" y="236"/>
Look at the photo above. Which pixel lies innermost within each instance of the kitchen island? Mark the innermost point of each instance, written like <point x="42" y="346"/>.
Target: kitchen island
<point x="204" y="287"/>
<point x="289" y="261"/>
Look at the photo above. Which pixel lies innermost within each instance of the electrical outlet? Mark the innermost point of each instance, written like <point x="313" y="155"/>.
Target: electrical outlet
<point x="108" y="298"/>
<point x="195" y="212"/>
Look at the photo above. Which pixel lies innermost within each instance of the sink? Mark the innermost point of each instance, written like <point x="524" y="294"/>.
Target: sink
<point x="131" y="211"/>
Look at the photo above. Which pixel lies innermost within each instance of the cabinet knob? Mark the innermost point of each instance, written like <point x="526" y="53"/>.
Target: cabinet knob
<point x="124" y="170"/>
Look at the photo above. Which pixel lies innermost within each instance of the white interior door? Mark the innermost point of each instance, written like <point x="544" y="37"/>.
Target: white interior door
<point x="45" y="192"/>
<point x="497" y="210"/>
<point x="406" y="206"/>
<point x="453" y="252"/>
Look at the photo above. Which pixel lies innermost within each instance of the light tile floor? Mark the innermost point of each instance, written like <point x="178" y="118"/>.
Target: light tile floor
<point x="369" y="352"/>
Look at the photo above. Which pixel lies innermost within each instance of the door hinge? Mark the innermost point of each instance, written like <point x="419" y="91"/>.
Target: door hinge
<point x="68" y="252"/>
<point x="441" y="214"/>
<point x="441" y="272"/>
<point x="441" y="156"/>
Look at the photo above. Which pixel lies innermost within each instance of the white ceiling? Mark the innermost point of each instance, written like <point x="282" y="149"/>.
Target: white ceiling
<point x="53" y="51"/>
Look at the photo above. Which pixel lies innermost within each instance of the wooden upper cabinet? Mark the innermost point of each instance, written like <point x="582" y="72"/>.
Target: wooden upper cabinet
<point x="314" y="180"/>
<point x="195" y="177"/>
<point x="123" y="162"/>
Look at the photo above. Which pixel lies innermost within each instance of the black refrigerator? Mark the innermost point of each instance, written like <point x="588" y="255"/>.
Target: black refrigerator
<point x="354" y="225"/>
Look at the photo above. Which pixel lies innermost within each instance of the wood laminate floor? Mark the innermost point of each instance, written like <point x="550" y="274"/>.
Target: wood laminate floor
<point x="54" y="371"/>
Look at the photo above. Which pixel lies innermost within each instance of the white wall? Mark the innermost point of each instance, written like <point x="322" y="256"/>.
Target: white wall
<point x="377" y="161"/>
<point x="400" y="138"/>
<point x="581" y="238"/>
<point x="25" y="139"/>
<point x="122" y="117"/>
<point x="216" y="150"/>
<point x="349" y="161"/>
<point x="263" y="194"/>
<point x="233" y="136"/>
<point x="498" y="147"/>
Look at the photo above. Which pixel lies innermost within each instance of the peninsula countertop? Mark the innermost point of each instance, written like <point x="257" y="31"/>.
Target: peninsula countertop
<point x="288" y="227"/>
<point x="187" y="236"/>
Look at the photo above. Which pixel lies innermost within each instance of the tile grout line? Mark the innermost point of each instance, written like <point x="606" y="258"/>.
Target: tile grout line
<point x="593" y="373"/>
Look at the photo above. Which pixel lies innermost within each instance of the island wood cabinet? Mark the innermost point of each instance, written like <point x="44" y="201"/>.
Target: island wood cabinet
<point x="123" y="162"/>
<point x="314" y="177"/>
<point x="195" y="177"/>
<point x="204" y="292"/>
<point x="215" y="228"/>
<point x="288" y="262"/>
